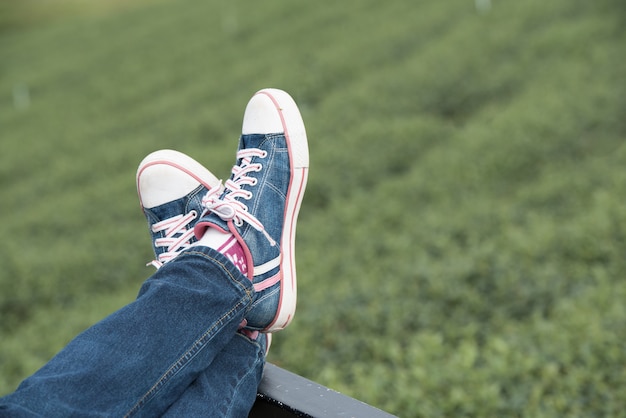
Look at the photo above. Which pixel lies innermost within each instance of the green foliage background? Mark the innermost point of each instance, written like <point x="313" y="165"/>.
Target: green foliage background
<point x="461" y="244"/>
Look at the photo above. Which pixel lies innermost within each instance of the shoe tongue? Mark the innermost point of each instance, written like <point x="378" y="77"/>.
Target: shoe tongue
<point x="251" y="140"/>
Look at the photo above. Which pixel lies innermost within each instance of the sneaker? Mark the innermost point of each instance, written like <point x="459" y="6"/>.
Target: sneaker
<point x="260" y="203"/>
<point x="171" y="186"/>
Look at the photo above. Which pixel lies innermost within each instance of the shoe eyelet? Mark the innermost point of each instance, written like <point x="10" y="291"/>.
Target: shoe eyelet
<point x="193" y="213"/>
<point x="238" y="223"/>
<point x="264" y="154"/>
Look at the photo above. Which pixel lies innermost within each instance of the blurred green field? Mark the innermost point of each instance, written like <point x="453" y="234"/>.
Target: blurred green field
<point x="461" y="243"/>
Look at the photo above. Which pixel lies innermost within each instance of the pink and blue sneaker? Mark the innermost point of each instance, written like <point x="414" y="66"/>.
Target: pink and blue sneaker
<point x="253" y="219"/>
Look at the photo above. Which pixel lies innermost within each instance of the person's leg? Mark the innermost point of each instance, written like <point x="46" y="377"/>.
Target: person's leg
<point x="141" y="359"/>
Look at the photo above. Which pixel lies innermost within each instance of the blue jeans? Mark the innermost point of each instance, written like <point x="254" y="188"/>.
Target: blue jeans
<point x="174" y="351"/>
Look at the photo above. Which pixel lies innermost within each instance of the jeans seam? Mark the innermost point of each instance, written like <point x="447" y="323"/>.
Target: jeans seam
<point x="198" y="344"/>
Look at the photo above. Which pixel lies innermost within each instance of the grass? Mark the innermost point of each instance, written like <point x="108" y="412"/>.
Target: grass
<point x="461" y="243"/>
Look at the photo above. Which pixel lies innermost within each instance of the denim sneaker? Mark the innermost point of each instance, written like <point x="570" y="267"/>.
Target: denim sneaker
<point x="171" y="185"/>
<point x="261" y="201"/>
